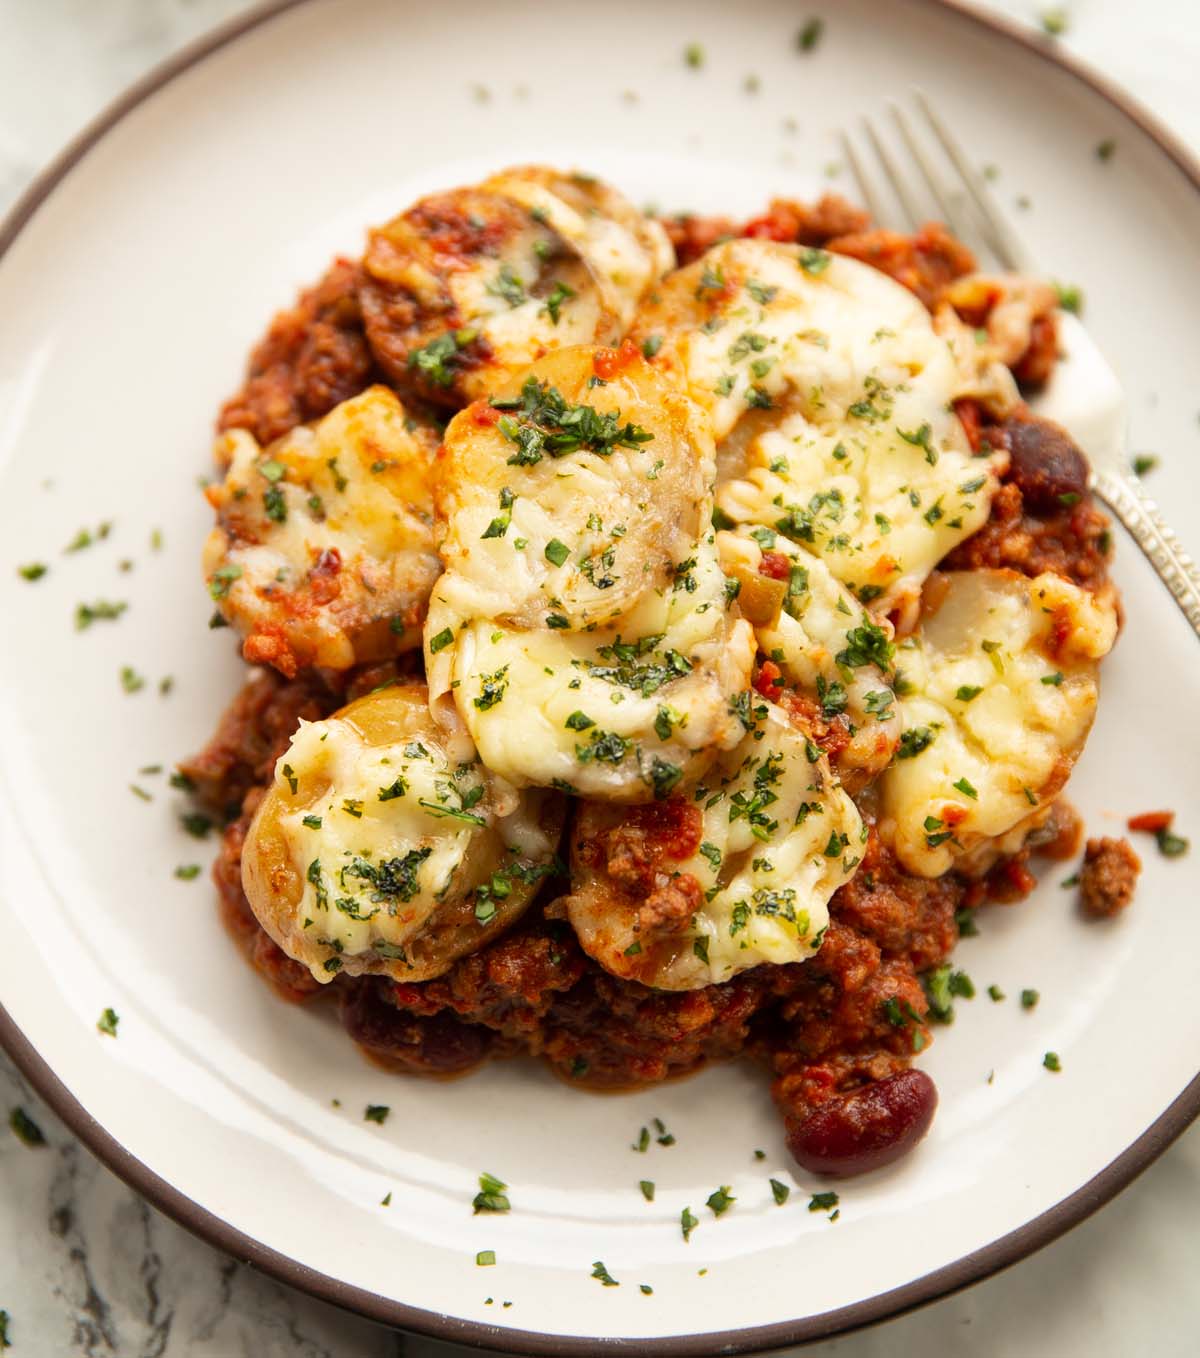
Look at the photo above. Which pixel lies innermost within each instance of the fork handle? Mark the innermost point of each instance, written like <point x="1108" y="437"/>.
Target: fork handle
<point x="1141" y="516"/>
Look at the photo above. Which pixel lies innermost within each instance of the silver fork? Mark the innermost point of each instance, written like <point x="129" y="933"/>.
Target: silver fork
<point x="969" y="209"/>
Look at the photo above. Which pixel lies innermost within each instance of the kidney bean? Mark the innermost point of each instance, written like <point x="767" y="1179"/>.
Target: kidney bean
<point x="1046" y="465"/>
<point x="866" y="1128"/>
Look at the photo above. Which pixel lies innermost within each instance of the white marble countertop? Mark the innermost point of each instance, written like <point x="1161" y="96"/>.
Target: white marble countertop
<point x="89" y="1268"/>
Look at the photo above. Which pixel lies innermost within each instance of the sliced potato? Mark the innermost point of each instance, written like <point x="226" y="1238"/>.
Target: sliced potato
<point x="999" y="690"/>
<point x="737" y="875"/>
<point x="832" y="403"/>
<point x="323" y="551"/>
<point x="467" y="286"/>
<point x="570" y="497"/>
<point x="582" y="629"/>
<point x="383" y="847"/>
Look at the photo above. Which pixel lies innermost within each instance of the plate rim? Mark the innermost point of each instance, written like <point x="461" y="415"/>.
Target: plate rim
<point x="221" y="1234"/>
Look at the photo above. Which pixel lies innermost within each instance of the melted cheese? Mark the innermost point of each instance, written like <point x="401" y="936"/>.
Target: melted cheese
<point x="325" y="538"/>
<point x="779" y="837"/>
<point x="582" y="628"/>
<point x="826" y="647"/>
<point x="831" y="381"/>
<point x="384" y="846"/>
<point x="1000" y="689"/>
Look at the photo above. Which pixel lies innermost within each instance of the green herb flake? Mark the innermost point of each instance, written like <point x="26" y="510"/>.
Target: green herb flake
<point x="810" y="35"/>
<point x="1055" y="21"/>
<point x="647" y="1187"/>
<point x="687" y="1223"/>
<point x="1051" y="1062"/>
<point x="967" y="789"/>
<point x="1070" y="297"/>
<point x="604" y="1276"/>
<point x="720" y="1200"/>
<point x="107" y="1022"/>
<point x="439" y="642"/>
<point x="188" y="872"/>
<point x="485" y="1258"/>
<point x="693" y="56"/>
<point x="780" y="1192"/>
<point x="1029" y="999"/>
<point x="822" y="1202"/>
<point x="25" y="1129"/>
<point x="102" y="611"/>
<point x="1144" y="463"/>
<point x="376" y="1112"/>
<point x="131" y="680"/>
<point x="1170" y="845"/>
<point x="995" y="993"/>
<point x="32" y="570"/>
<point x="557" y="552"/>
<point x="491" y="1196"/>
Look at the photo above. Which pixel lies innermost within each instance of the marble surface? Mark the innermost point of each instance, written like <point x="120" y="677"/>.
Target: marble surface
<point x="86" y="1267"/>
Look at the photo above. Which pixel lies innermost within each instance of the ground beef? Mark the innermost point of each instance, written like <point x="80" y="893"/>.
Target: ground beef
<point x="924" y="263"/>
<point x="313" y="356"/>
<point x="1108" y="877"/>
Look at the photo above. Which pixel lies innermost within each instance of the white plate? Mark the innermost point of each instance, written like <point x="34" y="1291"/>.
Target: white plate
<point x="129" y="299"/>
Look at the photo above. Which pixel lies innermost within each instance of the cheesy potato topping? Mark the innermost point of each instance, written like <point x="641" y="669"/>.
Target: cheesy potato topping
<point x="999" y="688"/>
<point x="826" y="646"/>
<point x="779" y="835"/>
<point x="384" y="847"/>
<point x="323" y="549"/>
<point x="582" y="629"/>
<point x="835" y="395"/>
<point x="468" y="286"/>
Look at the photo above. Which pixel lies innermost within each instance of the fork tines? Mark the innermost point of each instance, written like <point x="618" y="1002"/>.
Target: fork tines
<point x="959" y="192"/>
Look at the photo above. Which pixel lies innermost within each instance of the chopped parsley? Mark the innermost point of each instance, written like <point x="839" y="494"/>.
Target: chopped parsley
<point x="107" y="1022"/>
<point x="720" y="1200"/>
<point x="439" y="642"/>
<point x="914" y="741"/>
<point x="687" y="1223"/>
<point x="376" y="1112"/>
<point x="492" y="1196"/>
<point x="995" y="993"/>
<point x="967" y="789"/>
<point x="33" y="570"/>
<point x="780" y="1192"/>
<point x="104" y="611"/>
<point x="438" y="361"/>
<point x="557" y="552"/>
<point x="25" y="1129"/>
<point x="822" y="1202"/>
<point x="810" y="35"/>
<point x="557" y="295"/>
<point x="541" y="422"/>
<point x="647" y="1187"/>
<point x="1029" y="999"/>
<point x="1170" y="845"/>
<point x="1143" y="463"/>
<point x="188" y="872"/>
<point x="600" y="1272"/>
<point x="814" y="261"/>
<point x="485" y="1258"/>
<point x="693" y="56"/>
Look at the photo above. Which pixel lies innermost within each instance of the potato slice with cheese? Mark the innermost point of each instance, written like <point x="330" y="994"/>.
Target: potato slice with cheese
<point x="832" y="399"/>
<point x="999" y="690"/>
<point x="829" y="651"/>
<point x="382" y="846"/>
<point x="736" y="875"/>
<point x="323" y="551"/>
<point x="582" y="628"/>
<point x="571" y="495"/>
<point x="625" y="251"/>
<point x="469" y="285"/>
